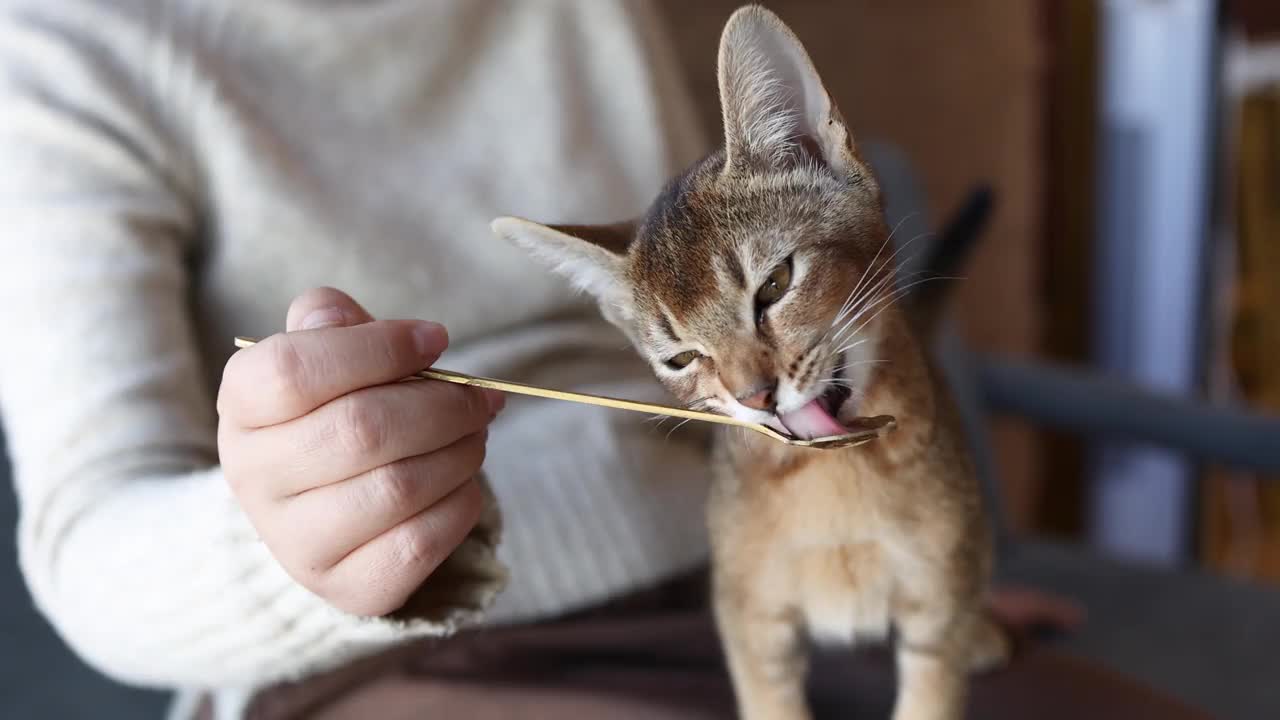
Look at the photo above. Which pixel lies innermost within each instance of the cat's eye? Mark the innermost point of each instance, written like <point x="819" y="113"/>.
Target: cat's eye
<point x="774" y="287"/>
<point x="682" y="361"/>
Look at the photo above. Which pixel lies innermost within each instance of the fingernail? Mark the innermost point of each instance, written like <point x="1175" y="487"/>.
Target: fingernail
<point x="324" y="317"/>
<point x="430" y="338"/>
<point x="497" y="400"/>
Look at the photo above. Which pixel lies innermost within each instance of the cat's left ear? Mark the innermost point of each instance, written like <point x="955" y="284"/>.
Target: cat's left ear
<point x="775" y="108"/>
<point x="590" y="256"/>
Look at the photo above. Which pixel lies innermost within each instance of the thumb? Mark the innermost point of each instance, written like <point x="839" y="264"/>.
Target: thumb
<point x="324" y="307"/>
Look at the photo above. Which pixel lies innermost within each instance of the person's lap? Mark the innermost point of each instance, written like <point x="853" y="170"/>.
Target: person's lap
<point x="664" y="661"/>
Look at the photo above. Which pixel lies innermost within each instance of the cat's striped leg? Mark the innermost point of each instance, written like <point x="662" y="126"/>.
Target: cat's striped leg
<point x="766" y="657"/>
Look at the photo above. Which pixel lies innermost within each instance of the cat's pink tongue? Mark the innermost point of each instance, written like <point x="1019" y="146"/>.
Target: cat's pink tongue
<point x="811" y="421"/>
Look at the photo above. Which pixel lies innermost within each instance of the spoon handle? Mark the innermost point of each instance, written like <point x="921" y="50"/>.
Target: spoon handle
<point x="609" y="402"/>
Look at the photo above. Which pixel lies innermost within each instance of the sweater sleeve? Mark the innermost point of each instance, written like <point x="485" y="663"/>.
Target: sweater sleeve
<point x="129" y="540"/>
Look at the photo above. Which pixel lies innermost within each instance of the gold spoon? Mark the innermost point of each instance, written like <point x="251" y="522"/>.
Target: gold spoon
<point x="868" y="428"/>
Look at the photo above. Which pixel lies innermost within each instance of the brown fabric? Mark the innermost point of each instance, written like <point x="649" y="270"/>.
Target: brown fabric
<point x="656" y="655"/>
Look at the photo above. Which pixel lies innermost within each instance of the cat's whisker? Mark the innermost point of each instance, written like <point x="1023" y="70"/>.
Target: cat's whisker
<point x="889" y="260"/>
<point x="658" y="425"/>
<point x="871" y="267"/>
<point x="879" y="250"/>
<point x="873" y="276"/>
<point x="872" y="303"/>
<point x="850" y="346"/>
<point x="897" y="295"/>
<point x="845" y="332"/>
<point x="870" y="271"/>
<point x="867" y="269"/>
<point x="842" y="368"/>
<point x="888" y="279"/>
<point x="857" y="363"/>
<point x="836" y="333"/>
<point x="677" y="427"/>
<point x="904" y="290"/>
<point x="905" y="218"/>
<point x="837" y="378"/>
<point x="904" y="246"/>
<point x="869" y="296"/>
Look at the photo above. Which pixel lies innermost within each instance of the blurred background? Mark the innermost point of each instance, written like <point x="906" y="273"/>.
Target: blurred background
<point x="1133" y="151"/>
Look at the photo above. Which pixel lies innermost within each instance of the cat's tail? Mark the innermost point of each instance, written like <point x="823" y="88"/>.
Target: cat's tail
<point x="946" y="259"/>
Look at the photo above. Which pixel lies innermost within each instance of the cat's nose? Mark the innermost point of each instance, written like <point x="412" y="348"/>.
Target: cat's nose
<point x="765" y="398"/>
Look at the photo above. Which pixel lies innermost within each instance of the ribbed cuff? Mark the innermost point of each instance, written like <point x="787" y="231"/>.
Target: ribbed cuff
<point x="189" y="596"/>
<point x="308" y="635"/>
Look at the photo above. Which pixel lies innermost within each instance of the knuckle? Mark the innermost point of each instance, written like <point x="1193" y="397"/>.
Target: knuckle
<point x="417" y="546"/>
<point x="285" y="371"/>
<point x="362" y="427"/>
<point x="393" y="485"/>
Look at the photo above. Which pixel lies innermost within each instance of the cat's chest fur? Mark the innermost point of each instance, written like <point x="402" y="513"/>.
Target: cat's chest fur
<point x="813" y="536"/>
<point x="841" y="537"/>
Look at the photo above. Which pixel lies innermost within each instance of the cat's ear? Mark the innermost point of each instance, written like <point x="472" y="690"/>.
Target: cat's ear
<point x="590" y="256"/>
<point x="775" y="108"/>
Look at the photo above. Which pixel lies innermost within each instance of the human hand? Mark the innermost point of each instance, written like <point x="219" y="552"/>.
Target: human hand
<point x="360" y="486"/>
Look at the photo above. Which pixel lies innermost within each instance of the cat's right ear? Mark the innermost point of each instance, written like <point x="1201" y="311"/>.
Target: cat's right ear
<point x="590" y="256"/>
<point x="775" y="108"/>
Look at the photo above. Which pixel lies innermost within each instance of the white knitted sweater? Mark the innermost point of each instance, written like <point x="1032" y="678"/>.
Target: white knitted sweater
<point x="173" y="173"/>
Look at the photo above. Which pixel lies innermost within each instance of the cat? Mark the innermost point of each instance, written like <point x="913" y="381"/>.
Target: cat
<point x="760" y="284"/>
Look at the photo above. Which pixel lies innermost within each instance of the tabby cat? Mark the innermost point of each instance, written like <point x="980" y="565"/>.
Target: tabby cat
<point x="761" y="284"/>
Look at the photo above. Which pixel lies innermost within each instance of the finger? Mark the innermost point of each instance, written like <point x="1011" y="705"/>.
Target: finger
<point x="366" y="429"/>
<point x="290" y="374"/>
<point x="376" y="578"/>
<point x="357" y="510"/>
<point x="324" y="307"/>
